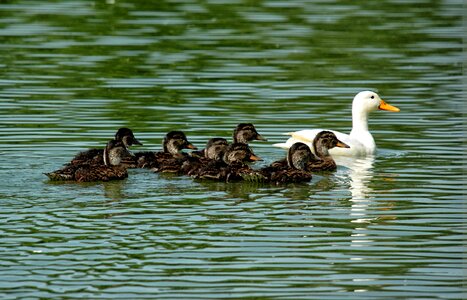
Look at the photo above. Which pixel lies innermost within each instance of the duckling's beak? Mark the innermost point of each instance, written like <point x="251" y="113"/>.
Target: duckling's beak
<point x="259" y="137"/>
<point x="384" y="106"/>
<point x="136" y="142"/>
<point x="191" y="146"/>
<point x="342" y="144"/>
<point x="255" y="158"/>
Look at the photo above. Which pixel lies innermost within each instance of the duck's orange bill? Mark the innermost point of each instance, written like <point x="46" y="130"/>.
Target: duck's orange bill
<point x="342" y="145"/>
<point x="255" y="158"/>
<point x="191" y="146"/>
<point x="384" y="106"/>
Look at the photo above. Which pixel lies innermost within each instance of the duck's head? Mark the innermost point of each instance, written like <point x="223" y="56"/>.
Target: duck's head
<point x="127" y="137"/>
<point x="299" y="155"/>
<point x="114" y="152"/>
<point x="239" y="153"/>
<point x="175" y="141"/>
<point x="246" y="132"/>
<point x="368" y="101"/>
<point x="326" y="140"/>
<point x="215" y="148"/>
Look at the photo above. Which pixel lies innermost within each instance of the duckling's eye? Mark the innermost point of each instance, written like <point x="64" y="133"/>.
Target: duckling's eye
<point x="372" y="97"/>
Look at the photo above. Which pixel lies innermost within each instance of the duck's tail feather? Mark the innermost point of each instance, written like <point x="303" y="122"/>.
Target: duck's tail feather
<point x="281" y="145"/>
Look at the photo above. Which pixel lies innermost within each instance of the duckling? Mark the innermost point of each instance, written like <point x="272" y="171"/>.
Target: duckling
<point x="95" y="156"/>
<point x="115" y="153"/>
<point x="243" y="133"/>
<point x="322" y="143"/>
<point x="174" y="142"/>
<point x="214" y="151"/>
<point x="231" y="167"/>
<point x="246" y="132"/>
<point x="292" y="169"/>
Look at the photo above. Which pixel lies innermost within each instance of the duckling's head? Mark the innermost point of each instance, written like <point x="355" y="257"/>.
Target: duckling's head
<point x="246" y="132"/>
<point x="175" y="141"/>
<point x="326" y="140"/>
<point x="368" y="101"/>
<point x="239" y="153"/>
<point x="114" y="152"/>
<point x="215" y="148"/>
<point x="126" y="136"/>
<point x="299" y="155"/>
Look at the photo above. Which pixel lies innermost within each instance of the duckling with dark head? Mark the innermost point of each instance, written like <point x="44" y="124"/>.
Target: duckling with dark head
<point x="245" y="133"/>
<point x="115" y="155"/>
<point x="322" y="143"/>
<point x="233" y="164"/>
<point x="213" y="152"/>
<point x="293" y="169"/>
<point x="95" y="156"/>
<point x="173" y="144"/>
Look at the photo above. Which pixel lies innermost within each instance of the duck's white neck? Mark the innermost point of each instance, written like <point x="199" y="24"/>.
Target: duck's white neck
<point x="359" y="120"/>
<point x="360" y="130"/>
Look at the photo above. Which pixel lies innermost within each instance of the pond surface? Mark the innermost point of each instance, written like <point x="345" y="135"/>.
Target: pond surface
<point x="386" y="227"/>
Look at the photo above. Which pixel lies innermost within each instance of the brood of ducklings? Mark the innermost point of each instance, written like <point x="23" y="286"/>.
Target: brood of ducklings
<point x="214" y="151"/>
<point x="95" y="156"/>
<point x="300" y="161"/>
<point x="174" y="142"/>
<point x="115" y="155"/>
<point x="232" y="165"/>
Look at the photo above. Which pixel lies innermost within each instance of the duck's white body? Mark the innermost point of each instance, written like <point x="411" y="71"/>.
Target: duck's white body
<point x="360" y="140"/>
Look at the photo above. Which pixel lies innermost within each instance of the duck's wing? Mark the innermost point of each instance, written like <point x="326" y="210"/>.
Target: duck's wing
<point x="304" y="136"/>
<point x="100" y="173"/>
<point x="91" y="156"/>
<point x="322" y="165"/>
<point x="67" y="173"/>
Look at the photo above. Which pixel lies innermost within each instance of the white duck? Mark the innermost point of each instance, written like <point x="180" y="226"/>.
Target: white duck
<point x="360" y="140"/>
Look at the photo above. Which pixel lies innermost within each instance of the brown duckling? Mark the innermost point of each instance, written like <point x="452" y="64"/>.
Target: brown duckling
<point x="214" y="151"/>
<point x="245" y="133"/>
<point x="322" y="143"/>
<point x="231" y="167"/>
<point x="174" y="142"/>
<point x="115" y="154"/>
<point x="293" y="169"/>
<point x="95" y="156"/>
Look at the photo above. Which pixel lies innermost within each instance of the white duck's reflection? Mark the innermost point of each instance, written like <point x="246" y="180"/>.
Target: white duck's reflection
<point x="359" y="174"/>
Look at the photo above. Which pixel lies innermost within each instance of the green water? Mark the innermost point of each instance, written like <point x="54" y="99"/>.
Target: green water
<point x="388" y="227"/>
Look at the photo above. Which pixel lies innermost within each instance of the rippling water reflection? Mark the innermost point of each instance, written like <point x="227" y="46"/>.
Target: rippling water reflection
<point x="383" y="227"/>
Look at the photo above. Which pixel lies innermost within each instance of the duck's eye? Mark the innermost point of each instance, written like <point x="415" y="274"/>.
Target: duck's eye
<point x="372" y="97"/>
